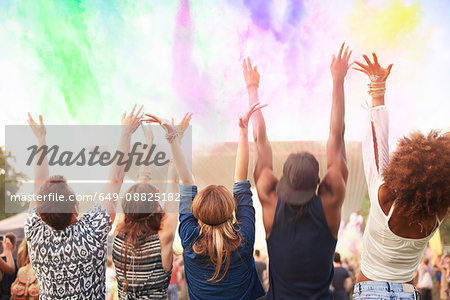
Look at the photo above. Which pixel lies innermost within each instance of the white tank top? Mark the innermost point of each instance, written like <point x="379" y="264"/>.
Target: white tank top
<point x="385" y="256"/>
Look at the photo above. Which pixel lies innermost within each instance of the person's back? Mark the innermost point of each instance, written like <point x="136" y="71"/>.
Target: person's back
<point x="260" y="268"/>
<point x="70" y="262"/>
<point x="68" y="254"/>
<point x="301" y="253"/>
<point x="339" y="290"/>
<point x="301" y="226"/>
<point x="241" y="280"/>
<point x="146" y="277"/>
<point x="425" y="279"/>
<point x="408" y="193"/>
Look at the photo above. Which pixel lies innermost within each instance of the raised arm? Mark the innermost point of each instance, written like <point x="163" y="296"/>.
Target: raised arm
<point x="7" y="266"/>
<point x="265" y="180"/>
<point x="117" y="171"/>
<point x="41" y="172"/>
<point x="170" y="221"/>
<point x="242" y="149"/>
<point x="263" y="148"/>
<point x="375" y="144"/>
<point x="144" y="170"/>
<point x="184" y="172"/>
<point x="188" y="229"/>
<point x="336" y="157"/>
<point x="332" y="186"/>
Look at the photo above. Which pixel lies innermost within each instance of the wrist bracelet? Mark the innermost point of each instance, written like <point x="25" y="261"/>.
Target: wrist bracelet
<point x="377" y="88"/>
<point x="171" y="136"/>
<point x="256" y="85"/>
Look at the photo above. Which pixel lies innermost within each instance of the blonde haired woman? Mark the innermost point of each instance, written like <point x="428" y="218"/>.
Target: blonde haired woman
<point x="217" y="228"/>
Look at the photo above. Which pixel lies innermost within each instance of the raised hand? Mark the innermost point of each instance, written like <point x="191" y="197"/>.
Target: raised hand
<point x="243" y="121"/>
<point x="7" y="245"/>
<point x="339" y="64"/>
<point x="165" y="124"/>
<point x="375" y="72"/>
<point x="251" y="75"/>
<point x="183" y="125"/>
<point x="38" y="129"/>
<point x="132" y="121"/>
<point x="148" y="134"/>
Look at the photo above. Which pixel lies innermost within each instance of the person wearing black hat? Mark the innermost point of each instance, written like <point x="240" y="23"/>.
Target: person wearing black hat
<point x="301" y="224"/>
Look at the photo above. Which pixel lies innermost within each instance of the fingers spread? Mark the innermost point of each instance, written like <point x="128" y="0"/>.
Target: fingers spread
<point x="365" y="67"/>
<point x="244" y="66"/>
<point x="132" y="111"/>
<point x="254" y="105"/>
<point x="139" y="111"/>
<point x="189" y="118"/>
<point x="150" y="120"/>
<point x="348" y="56"/>
<point x="361" y="70"/>
<point x="369" y="63"/>
<point x="389" y="68"/>
<point x="375" y="58"/>
<point x="340" y="50"/>
<point x="345" y="53"/>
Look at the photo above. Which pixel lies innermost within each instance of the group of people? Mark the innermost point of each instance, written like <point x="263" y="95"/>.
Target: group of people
<point x="441" y="273"/>
<point x="408" y="191"/>
<point x="16" y="274"/>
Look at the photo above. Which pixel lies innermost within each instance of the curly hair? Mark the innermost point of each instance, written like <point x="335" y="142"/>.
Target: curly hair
<point x="418" y="175"/>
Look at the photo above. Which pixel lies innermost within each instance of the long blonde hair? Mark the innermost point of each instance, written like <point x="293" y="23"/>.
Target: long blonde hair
<point x="23" y="258"/>
<point x="214" y="207"/>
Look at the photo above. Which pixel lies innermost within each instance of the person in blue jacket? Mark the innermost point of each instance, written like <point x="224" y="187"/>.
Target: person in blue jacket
<point x="217" y="228"/>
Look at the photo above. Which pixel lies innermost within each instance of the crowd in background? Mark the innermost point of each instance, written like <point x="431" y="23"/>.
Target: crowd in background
<point x="432" y="279"/>
<point x="67" y="253"/>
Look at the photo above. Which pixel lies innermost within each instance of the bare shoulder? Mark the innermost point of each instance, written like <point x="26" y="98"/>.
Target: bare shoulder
<point x="266" y="185"/>
<point x="332" y="193"/>
<point x="332" y="187"/>
<point x="267" y="194"/>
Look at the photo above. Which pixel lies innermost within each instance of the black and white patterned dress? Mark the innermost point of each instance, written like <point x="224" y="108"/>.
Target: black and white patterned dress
<point x="70" y="263"/>
<point x="145" y="274"/>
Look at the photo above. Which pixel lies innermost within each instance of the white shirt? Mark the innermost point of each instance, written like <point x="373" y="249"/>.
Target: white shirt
<point x="385" y="256"/>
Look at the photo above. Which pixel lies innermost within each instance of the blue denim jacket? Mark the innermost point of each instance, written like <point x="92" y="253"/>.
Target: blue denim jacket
<point x="241" y="281"/>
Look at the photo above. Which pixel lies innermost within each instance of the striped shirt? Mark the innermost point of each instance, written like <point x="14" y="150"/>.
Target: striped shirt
<point x="145" y="274"/>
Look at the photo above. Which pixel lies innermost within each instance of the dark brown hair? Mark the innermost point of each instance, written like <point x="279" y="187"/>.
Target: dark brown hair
<point x="12" y="237"/>
<point x="214" y="207"/>
<point x="57" y="214"/>
<point x="141" y="218"/>
<point x="418" y="173"/>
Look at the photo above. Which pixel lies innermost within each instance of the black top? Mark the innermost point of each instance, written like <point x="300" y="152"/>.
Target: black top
<point x="301" y="252"/>
<point x="340" y="274"/>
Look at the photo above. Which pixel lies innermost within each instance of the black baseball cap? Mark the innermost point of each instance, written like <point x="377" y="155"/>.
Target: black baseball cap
<point x="300" y="177"/>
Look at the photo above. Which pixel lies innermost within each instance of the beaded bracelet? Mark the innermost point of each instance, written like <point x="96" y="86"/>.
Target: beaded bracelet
<point x="171" y="136"/>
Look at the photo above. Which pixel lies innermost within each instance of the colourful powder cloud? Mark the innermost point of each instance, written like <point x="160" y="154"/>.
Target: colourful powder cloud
<point x="388" y="23"/>
<point x="56" y="30"/>
<point x="85" y="62"/>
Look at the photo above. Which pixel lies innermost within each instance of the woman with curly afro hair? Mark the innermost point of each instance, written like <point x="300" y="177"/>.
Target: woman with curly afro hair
<point x="409" y="197"/>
